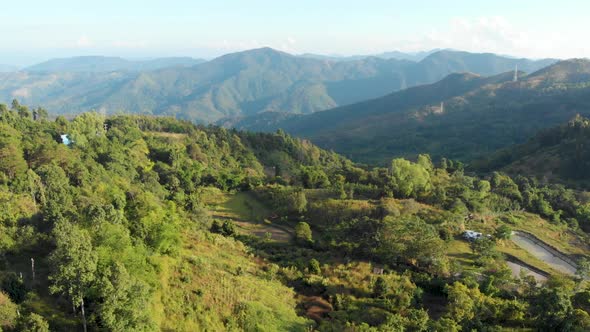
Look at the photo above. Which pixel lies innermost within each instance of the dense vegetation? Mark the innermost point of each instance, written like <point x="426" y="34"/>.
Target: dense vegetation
<point x="233" y="85"/>
<point x="479" y="116"/>
<point x="127" y="231"/>
<point x="559" y="154"/>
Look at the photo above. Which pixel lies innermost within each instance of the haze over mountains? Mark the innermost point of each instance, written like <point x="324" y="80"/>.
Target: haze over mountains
<point x="234" y="85"/>
<point x="7" y="68"/>
<point x="411" y="56"/>
<point x="479" y="115"/>
<point x="106" y="64"/>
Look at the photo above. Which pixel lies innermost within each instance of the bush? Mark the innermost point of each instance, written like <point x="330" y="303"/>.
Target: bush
<point x="303" y="233"/>
<point x="314" y="266"/>
<point x="227" y="228"/>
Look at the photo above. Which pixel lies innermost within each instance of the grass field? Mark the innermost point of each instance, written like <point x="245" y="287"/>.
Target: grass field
<point x="250" y="216"/>
<point x="198" y="288"/>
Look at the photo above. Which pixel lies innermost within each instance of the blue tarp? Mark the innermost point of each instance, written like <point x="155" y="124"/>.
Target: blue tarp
<point x="65" y="140"/>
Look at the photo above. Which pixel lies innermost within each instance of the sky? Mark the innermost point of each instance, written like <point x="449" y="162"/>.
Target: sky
<point x="36" y="30"/>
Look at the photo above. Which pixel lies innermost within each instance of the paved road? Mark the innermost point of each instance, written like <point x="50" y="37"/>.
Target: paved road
<point x="516" y="268"/>
<point x="543" y="254"/>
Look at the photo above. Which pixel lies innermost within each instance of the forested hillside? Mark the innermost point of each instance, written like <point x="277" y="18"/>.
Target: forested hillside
<point x="463" y="116"/>
<point x="233" y="85"/>
<point x="146" y="223"/>
<point x="558" y="154"/>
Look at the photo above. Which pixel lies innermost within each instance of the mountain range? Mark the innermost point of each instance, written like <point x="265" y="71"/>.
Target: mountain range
<point x="463" y="116"/>
<point x="410" y="56"/>
<point x="109" y="64"/>
<point x="238" y="84"/>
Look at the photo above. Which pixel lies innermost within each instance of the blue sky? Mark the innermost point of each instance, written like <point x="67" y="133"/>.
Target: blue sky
<point x="34" y="30"/>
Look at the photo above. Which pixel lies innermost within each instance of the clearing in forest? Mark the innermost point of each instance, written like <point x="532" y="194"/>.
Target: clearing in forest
<point x="250" y="216"/>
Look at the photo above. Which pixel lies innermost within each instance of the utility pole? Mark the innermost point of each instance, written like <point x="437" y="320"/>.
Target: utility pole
<point x="515" y="73"/>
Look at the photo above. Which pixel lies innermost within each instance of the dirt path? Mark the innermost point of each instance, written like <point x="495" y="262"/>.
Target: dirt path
<point x="544" y="253"/>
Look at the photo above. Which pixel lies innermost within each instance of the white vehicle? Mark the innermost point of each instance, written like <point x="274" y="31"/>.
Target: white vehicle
<point x="471" y="235"/>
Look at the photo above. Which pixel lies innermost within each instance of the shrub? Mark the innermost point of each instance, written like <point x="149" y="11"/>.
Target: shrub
<point x="303" y="233"/>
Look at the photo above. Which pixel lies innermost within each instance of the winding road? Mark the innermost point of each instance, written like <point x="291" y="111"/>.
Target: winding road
<point x="544" y="253"/>
<point x="516" y="268"/>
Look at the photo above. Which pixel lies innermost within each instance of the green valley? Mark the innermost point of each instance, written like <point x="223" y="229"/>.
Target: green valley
<point x="151" y="223"/>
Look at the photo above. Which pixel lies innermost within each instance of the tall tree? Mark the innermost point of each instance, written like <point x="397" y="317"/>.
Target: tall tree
<point x="74" y="264"/>
<point x="12" y="161"/>
<point x="124" y="302"/>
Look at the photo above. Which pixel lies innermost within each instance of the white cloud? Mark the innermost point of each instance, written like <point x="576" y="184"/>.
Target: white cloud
<point x="84" y="41"/>
<point x="130" y="44"/>
<point x="498" y="35"/>
<point x="289" y="45"/>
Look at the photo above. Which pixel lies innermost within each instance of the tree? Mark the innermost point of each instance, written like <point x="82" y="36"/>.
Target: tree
<point x="40" y="114"/>
<point x="583" y="270"/>
<point x="484" y="247"/>
<point x="314" y="266"/>
<point x="215" y="227"/>
<point x="314" y="177"/>
<point x="551" y="308"/>
<point x="228" y="228"/>
<point x="74" y="264"/>
<point x="57" y="191"/>
<point x="8" y="312"/>
<point x="463" y="302"/>
<point x="303" y="233"/>
<point x="14" y="287"/>
<point x="125" y="301"/>
<point x="503" y="232"/>
<point x="380" y="288"/>
<point x="504" y="186"/>
<point x="411" y="240"/>
<point x="32" y="323"/>
<point x="24" y="112"/>
<point x="444" y="324"/>
<point x="15" y="105"/>
<point x="425" y="161"/>
<point x="12" y="161"/>
<point x="338" y="184"/>
<point x="578" y="321"/>
<point x="297" y="201"/>
<point x="409" y="179"/>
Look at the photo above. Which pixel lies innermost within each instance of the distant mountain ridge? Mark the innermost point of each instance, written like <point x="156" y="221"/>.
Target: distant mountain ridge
<point x="410" y="56"/>
<point x="478" y="115"/>
<point x="7" y="68"/>
<point x="242" y="84"/>
<point x="106" y="64"/>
